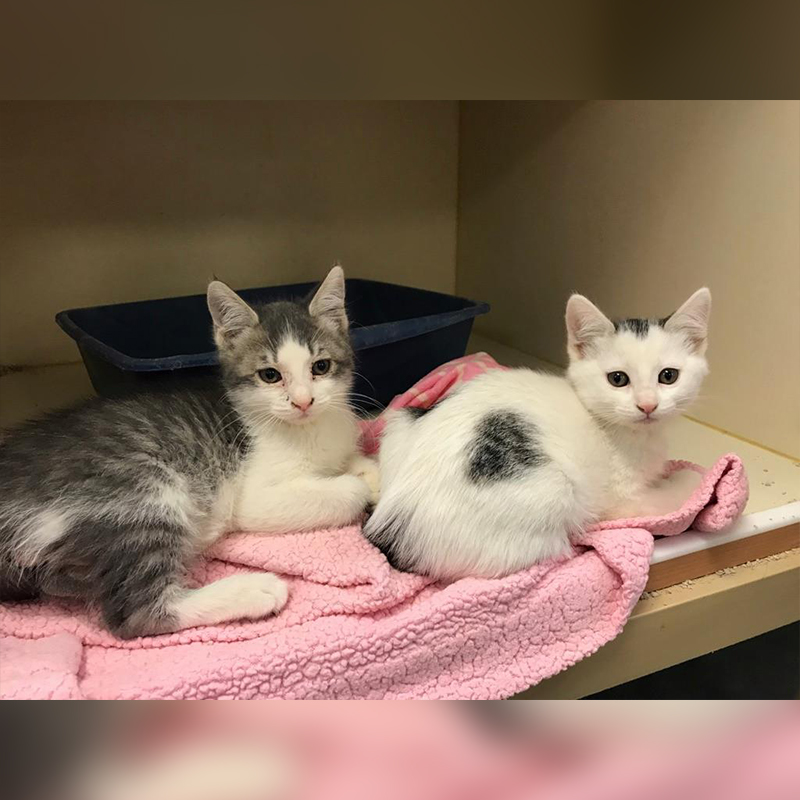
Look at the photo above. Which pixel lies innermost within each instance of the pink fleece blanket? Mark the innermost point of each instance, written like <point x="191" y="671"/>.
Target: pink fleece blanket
<point x="354" y="627"/>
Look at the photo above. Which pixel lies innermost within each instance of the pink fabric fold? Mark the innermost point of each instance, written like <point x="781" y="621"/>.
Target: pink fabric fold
<point x="354" y="627"/>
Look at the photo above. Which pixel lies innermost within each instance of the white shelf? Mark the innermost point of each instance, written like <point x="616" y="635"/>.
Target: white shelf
<point x="749" y="524"/>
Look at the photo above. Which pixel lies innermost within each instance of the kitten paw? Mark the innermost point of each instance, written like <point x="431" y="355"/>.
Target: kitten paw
<point x="256" y="595"/>
<point x="367" y="469"/>
<point x="684" y="480"/>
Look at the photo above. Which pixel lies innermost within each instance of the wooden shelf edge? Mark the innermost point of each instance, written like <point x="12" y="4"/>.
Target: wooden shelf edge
<point x="685" y="622"/>
<point x="724" y="556"/>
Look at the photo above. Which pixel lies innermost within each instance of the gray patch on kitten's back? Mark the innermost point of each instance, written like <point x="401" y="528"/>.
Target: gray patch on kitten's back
<point x="503" y="448"/>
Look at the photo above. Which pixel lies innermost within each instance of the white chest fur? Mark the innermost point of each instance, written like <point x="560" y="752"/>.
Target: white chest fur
<point x="283" y="453"/>
<point x="636" y="461"/>
<point x="287" y="451"/>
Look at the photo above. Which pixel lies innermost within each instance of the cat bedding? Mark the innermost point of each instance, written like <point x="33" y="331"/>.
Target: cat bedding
<point x="356" y="628"/>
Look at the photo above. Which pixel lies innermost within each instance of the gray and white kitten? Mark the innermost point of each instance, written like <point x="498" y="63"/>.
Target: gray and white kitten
<point x="110" y="501"/>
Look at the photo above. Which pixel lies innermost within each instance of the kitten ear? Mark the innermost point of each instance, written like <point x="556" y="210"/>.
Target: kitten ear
<point x="327" y="304"/>
<point x="691" y="320"/>
<point x="230" y="313"/>
<point x="585" y="323"/>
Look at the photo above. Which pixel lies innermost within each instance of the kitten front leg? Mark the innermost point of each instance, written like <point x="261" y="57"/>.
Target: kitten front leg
<point x="666" y="497"/>
<point x="303" y="504"/>
<point x="367" y="469"/>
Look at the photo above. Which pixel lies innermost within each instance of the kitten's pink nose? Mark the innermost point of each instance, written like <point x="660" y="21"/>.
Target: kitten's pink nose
<point x="303" y="405"/>
<point x="647" y="408"/>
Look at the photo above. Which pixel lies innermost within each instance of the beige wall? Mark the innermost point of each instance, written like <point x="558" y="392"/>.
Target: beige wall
<point x="633" y="203"/>
<point x="636" y="204"/>
<point x="107" y="203"/>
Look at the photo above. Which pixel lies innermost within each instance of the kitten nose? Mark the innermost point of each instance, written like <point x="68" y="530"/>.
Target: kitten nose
<point x="647" y="408"/>
<point x="303" y="405"/>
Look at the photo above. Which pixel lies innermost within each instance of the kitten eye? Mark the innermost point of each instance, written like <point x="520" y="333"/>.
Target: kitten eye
<point x="618" y="379"/>
<point x="269" y="375"/>
<point x="668" y="375"/>
<point x="321" y="367"/>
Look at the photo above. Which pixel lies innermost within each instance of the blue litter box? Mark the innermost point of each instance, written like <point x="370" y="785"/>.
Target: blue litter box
<point x="399" y="335"/>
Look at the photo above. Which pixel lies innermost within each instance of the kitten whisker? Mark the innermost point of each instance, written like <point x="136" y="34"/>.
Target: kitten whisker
<point x="366" y="379"/>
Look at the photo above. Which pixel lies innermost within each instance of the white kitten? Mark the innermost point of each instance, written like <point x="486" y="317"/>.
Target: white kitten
<point x="496" y="477"/>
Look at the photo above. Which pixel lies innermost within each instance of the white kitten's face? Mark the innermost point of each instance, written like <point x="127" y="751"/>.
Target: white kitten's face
<point x="637" y="373"/>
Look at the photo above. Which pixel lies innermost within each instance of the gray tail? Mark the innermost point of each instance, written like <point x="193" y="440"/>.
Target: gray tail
<point x="386" y="536"/>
